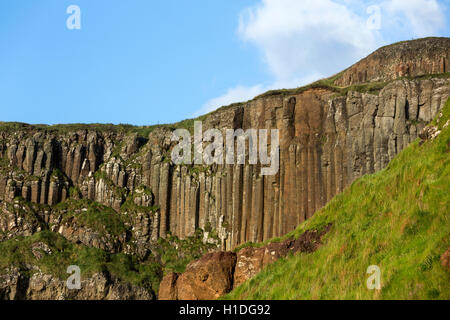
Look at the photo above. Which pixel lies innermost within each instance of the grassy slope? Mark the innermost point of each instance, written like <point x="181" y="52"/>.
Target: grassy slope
<point x="397" y="219"/>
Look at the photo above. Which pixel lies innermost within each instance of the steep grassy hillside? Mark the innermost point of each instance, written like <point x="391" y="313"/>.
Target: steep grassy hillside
<point x="397" y="219"/>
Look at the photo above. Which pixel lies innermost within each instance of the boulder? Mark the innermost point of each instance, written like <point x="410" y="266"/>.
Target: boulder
<point x="168" y="287"/>
<point x="208" y="278"/>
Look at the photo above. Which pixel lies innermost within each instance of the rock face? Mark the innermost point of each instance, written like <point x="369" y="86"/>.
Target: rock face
<point x="216" y="274"/>
<point x="327" y="141"/>
<point x="410" y="58"/>
<point x="168" y="288"/>
<point x="16" y="286"/>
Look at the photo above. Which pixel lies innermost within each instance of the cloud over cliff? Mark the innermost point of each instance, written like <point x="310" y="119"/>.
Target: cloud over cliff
<point x="302" y="41"/>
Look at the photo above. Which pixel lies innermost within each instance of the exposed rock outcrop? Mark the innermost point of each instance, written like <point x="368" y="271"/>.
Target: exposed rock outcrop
<point x="251" y="260"/>
<point x="19" y="220"/>
<point x="168" y="287"/>
<point x="101" y="286"/>
<point x="209" y="277"/>
<point x="406" y="59"/>
<point x="216" y="274"/>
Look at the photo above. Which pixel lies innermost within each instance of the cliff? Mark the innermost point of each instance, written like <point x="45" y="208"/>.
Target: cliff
<point x="404" y="59"/>
<point x="328" y="139"/>
<point x="331" y="133"/>
<point x="394" y="220"/>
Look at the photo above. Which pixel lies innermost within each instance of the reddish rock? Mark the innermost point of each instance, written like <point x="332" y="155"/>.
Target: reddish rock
<point x="207" y="278"/>
<point x="445" y="259"/>
<point x="216" y="274"/>
<point x="411" y="58"/>
<point x="168" y="287"/>
<point x="251" y="261"/>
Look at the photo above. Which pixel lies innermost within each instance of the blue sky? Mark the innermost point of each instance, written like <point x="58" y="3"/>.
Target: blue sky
<point x="145" y="62"/>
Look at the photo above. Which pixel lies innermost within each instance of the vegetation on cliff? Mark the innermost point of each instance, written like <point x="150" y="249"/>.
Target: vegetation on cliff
<point x="93" y="215"/>
<point x="108" y="198"/>
<point x="61" y="253"/>
<point x="397" y="219"/>
<point x="26" y="254"/>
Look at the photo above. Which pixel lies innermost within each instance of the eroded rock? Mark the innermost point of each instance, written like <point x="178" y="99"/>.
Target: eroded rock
<point x="207" y="278"/>
<point x="216" y="274"/>
<point x="168" y="287"/>
<point x="445" y="259"/>
<point x="40" y="286"/>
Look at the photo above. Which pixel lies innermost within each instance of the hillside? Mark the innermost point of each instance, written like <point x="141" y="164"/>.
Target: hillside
<point x="397" y="219"/>
<point x="329" y="136"/>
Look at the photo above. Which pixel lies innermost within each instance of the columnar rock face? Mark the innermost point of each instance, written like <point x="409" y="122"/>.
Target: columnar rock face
<point x="327" y="140"/>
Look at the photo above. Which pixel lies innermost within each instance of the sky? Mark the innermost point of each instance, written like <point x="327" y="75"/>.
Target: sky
<point x="147" y="62"/>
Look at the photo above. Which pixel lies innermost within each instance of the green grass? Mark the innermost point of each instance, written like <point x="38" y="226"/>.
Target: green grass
<point x="141" y="131"/>
<point x="146" y="272"/>
<point x="17" y="253"/>
<point x="97" y="217"/>
<point x="170" y="254"/>
<point x="130" y="207"/>
<point x="397" y="219"/>
<point x="175" y="254"/>
<point x="64" y="128"/>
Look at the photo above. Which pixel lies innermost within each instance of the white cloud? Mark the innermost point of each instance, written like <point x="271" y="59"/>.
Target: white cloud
<point x="421" y="17"/>
<point x="239" y="93"/>
<point x="302" y="41"/>
<point x="299" y="38"/>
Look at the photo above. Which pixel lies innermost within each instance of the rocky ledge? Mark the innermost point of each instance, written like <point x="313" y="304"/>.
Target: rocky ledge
<point x="101" y="286"/>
